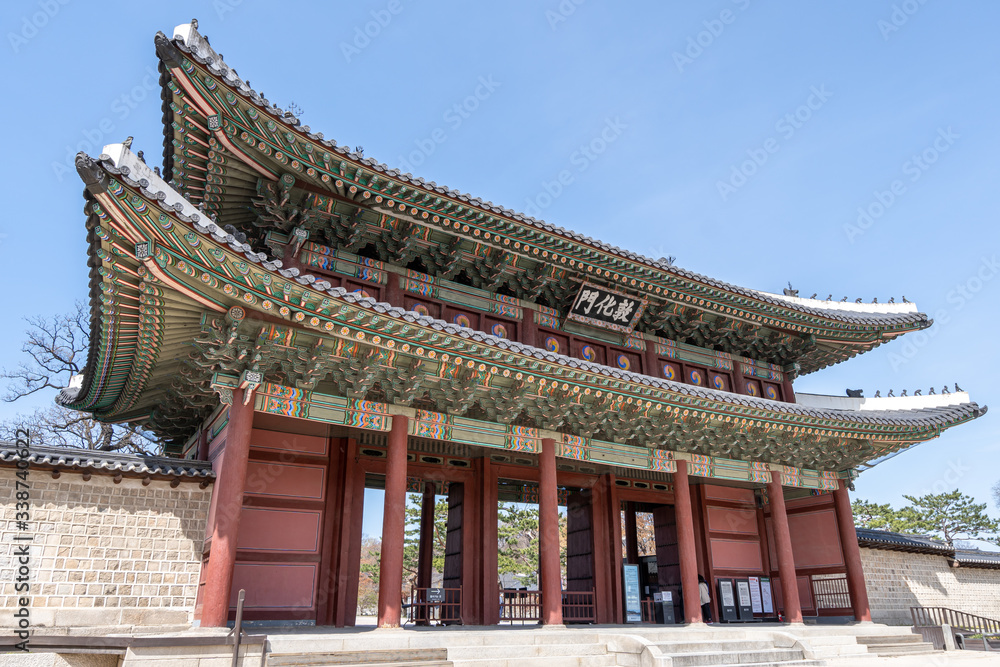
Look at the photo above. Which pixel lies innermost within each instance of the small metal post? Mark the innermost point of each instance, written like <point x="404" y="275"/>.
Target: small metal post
<point x="237" y="632"/>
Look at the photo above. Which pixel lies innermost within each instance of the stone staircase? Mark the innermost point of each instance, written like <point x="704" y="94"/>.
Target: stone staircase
<point x="410" y="657"/>
<point x="744" y="652"/>
<point x="894" y="645"/>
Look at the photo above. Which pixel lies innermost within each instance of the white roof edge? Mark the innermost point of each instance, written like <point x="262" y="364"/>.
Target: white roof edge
<point x="846" y="403"/>
<point x="845" y="306"/>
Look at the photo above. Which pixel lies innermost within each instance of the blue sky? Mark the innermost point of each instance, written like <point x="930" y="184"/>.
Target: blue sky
<point x="741" y="137"/>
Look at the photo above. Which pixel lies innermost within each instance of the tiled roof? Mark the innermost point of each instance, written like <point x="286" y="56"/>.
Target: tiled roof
<point x="884" y="539"/>
<point x="127" y="167"/>
<point x="133" y="465"/>
<point x="192" y="43"/>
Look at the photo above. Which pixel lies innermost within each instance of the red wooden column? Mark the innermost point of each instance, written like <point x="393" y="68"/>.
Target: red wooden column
<point x="425" y="550"/>
<point x="485" y="582"/>
<point x="425" y="559"/>
<point x="393" y="526"/>
<point x="631" y="534"/>
<point x="852" y="554"/>
<point x="548" y="528"/>
<point x="783" y="549"/>
<point x="229" y="489"/>
<point x="685" y="545"/>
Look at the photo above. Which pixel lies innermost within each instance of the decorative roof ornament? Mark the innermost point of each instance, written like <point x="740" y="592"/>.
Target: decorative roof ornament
<point x="905" y="300"/>
<point x="889" y="394"/>
<point x="789" y="291"/>
<point x="813" y="296"/>
<point x="944" y="390"/>
<point x="903" y="394"/>
<point x="930" y="392"/>
<point x="855" y="393"/>
<point x="892" y="299"/>
<point x="957" y="388"/>
<point x="918" y="392"/>
<point x="878" y="393"/>
<point x="858" y="300"/>
<point x="844" y="300"/>
<point x="128" y="142"/>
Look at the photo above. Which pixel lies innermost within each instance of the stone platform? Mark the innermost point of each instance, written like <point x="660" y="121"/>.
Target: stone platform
<point x="758" y="645"/>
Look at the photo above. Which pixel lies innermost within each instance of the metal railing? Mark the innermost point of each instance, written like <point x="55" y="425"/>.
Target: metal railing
<point x="578" y="607"/>
<point x="524" y="605"/>
<point x="520" y="605"/>
<point x="440" y="605"/>
<point x="648" y="610"/>
<point x="831" y="593"/>
<point x="964" y="625"/>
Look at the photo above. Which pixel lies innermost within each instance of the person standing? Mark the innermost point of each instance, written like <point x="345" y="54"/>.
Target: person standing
<point x="706" y="599"/>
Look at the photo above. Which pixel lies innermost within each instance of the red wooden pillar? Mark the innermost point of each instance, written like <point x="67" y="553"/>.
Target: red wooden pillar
<point x="631" y="535"/>
<point x="393" y="526"/>
<point x="486" y="580"/>
<point x="685" y="545"/>
<point x="852" y="554"/>
<point x="229" y="489"/>
<point x="529" y="329"/>
<point x="425" y="559"/>
<point x="425" y="550"/>
<point x="394" y="291"/>
<point x="616" y="596"/>
<point x="783" y="549"/>
<point x="548" y="528"/>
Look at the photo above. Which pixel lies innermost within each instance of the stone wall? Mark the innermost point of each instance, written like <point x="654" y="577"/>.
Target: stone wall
<point x="104" y="554"/>
<point x="899" y="580"/>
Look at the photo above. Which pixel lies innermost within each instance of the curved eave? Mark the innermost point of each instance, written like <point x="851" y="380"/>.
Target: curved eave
<point x="826" y="320"/>
<point x="132" y="193"/>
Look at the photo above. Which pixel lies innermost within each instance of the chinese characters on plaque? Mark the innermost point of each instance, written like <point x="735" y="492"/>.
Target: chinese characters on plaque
<point x="606" y="308"/>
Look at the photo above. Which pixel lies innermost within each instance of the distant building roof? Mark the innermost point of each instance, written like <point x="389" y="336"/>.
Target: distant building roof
<point x="884" y="539"/>
<point x="107" y="463"/>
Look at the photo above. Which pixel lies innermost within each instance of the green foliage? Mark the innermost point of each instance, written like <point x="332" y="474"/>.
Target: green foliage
<point x="411" y="544"/>
<point x="948" y="516"/>
<point x="517" y="537"/>
<point x="952" y="516"/>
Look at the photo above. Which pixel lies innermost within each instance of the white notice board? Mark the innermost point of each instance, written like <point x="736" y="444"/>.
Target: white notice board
<point x="765" y="595"/>
<point x="755" y="601"/>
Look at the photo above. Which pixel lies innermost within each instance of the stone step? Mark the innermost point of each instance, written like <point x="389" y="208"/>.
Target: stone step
<point x="767" y="656"/>
<point x="541" y="661"/>
<point x="459" y="653"/>
<point x="384" y="657"/>
<point x="721" y="645"/>
<point x="873" y="640"/>
<point x="902" y="649"/>
<point x="402" y="663"/>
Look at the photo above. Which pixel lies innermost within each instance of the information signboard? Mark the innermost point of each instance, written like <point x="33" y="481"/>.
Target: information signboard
<point x="743" y="599"/>
<point x="727" y="601"/>
<point x="765" y="595"/>
<point x="606" y="308"/>
<point x="755" y="601"/>
<point x="633" y="603"/>
<point x="435" y="595"/>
